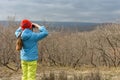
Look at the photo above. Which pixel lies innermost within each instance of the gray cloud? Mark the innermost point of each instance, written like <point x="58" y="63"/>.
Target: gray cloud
<point x="62" y="10"/>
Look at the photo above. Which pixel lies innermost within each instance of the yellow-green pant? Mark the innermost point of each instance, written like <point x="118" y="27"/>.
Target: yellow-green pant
<point x="29" y="70"/>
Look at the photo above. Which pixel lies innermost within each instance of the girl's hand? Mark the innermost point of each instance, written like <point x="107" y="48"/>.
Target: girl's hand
<point x="36" y="25"/>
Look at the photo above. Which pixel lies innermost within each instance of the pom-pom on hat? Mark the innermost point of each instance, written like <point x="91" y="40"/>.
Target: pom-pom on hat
<point x="26" y="24"/>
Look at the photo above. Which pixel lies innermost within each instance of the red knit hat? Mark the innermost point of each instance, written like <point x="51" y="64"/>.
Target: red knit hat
<point x="26" y="24"/>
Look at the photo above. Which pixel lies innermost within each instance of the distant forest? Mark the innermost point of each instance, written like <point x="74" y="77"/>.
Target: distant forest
<point x="63" y="26"/>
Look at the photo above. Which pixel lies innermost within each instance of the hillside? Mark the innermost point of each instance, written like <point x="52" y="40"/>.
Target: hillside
<point x="56" y="26"/>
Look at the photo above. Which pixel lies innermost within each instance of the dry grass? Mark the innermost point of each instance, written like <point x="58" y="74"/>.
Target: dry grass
<point x="66" y="73"/>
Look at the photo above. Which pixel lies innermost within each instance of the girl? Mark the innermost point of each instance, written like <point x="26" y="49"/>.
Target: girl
<point x="29" y="51"/>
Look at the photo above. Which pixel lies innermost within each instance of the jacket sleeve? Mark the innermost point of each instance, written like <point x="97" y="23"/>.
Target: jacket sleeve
<point x="18" y="31"/>
<point x="41" y="34"/>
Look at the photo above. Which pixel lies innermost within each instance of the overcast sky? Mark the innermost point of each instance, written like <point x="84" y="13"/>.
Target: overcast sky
<point x="62" y="10"/>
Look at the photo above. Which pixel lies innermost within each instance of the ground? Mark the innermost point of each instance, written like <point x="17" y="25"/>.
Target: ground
<point x="106" y="73"/>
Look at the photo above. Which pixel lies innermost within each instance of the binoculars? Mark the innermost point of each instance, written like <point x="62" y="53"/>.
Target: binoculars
<point x="33" y="26"/>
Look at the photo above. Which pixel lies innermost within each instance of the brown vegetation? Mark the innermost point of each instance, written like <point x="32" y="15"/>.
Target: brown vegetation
<point x="96" y="48"/>
<point x="100" y="47"/>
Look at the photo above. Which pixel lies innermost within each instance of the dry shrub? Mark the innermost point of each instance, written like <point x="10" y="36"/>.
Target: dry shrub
<point x="8" y="54"/>
<point x="100" y="47"/>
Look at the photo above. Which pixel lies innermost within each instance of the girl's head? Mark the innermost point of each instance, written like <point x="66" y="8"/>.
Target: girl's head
<point x="26" y="24"/>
